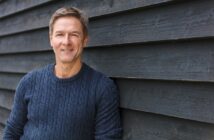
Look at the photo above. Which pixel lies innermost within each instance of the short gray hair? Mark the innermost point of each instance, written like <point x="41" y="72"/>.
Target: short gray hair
<point x="73" y="12"/>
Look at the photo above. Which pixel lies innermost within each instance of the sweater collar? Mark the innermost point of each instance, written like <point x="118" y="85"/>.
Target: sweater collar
<point x="65" y="80"/>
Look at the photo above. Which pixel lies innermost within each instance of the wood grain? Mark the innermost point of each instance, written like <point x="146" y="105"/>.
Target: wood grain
<point x="6" y="98"/>
<point x="192" y="101"/>
<point x="145" y="126"/>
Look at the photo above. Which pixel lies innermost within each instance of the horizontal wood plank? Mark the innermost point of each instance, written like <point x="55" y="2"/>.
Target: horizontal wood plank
<point x="37" y="40"/>
<point x="184" y="20"/>
<point x="193" y="101"/>
<point x="9" y="81"/>
<point x="102" y="7"/>
<point x="96" y="8"/>
<point x="39" y="18"/>
<point x="189" y="61"/>
<point x="6" y="98"/>
<point x="23" y="63"/>
<point x="145" y="126"/>
<point x="9" y="7"/>
<point x="156" y="24"/>
<point x="4" y="114"/>
<point x="185" y="61"/>
<point x="185" y="102"/>
<point x="1" y="131"/>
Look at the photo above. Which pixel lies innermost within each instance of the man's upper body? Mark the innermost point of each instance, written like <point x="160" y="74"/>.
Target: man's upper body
<point x="83" y="107"/>
<point x="67" y="100"/>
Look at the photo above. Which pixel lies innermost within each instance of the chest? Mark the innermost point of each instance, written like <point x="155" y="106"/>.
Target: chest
<point x="65" y="104"/>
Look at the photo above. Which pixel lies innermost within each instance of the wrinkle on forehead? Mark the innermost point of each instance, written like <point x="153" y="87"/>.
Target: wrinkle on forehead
<point x="68" y="24"/>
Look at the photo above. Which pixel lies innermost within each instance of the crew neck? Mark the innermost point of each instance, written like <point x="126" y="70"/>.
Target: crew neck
<point x="62" y="80"/>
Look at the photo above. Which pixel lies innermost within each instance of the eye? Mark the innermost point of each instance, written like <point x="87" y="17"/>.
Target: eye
<point x="59" y="34"/>
<point x="76" y="34"/>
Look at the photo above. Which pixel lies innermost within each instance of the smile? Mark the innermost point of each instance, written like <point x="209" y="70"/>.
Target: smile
<point x="66" y="50"/>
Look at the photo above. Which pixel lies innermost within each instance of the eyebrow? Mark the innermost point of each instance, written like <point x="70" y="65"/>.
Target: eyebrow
<point x="71" y="32"/>
<point x="77" y="32"/>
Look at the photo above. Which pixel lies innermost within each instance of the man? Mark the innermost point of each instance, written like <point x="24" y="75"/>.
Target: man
<point x="67" y="100"/>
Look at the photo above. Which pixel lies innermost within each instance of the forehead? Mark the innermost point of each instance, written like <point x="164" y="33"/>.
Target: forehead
<point x="67" y="23"/>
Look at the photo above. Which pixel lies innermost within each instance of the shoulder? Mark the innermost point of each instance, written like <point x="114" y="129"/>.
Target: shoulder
<point x="104" y="85"/>
<point x="101" y="79"/>
<point x="24" y="85"/>
<point x="43" y="70"/>
<point x="29" y="78"/>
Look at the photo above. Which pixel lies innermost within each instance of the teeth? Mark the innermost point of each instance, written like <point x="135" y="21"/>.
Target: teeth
<point x="66" y="50"/>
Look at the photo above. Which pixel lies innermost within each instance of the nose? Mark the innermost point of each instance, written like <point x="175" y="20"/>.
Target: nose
<point x="66" y="40"/>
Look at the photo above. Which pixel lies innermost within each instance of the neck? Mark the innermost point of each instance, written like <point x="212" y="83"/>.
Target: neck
<point x="66" y="70"/>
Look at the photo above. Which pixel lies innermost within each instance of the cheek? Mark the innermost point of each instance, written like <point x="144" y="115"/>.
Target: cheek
<point x="80" y="46"/>
<point x="54" y="50"/>
<point x="55" y="44"/>
<point x="51" y="40"/>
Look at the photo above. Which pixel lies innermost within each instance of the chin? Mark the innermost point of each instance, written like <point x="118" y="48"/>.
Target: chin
<point x="67" y="61"/>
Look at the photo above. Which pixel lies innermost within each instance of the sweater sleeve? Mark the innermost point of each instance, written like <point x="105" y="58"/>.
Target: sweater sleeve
<point x="18" y="116"/>
<point x="108" y="123"/>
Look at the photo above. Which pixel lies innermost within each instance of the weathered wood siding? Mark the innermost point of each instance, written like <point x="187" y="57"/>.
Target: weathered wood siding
<point x="160" y="52"/>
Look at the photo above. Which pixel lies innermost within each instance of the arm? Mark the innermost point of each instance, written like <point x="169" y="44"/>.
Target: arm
<point x="108" y="123"/>
<point x="18" y="116"/>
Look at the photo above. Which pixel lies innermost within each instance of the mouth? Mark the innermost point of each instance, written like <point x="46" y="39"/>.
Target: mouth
<point x="66" y="50"/>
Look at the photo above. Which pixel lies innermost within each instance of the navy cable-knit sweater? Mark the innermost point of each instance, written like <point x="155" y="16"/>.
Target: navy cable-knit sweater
<point x="83" y="107"/>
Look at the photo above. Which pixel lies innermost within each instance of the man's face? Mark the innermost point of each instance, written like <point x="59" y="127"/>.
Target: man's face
<point x="67" y="39"/>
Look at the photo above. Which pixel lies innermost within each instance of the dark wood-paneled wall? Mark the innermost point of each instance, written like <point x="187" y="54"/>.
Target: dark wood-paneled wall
<point x="160" y="52"/>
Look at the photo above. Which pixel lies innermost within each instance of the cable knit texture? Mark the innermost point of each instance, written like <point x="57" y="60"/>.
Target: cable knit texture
<point x="83" y="107"/>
